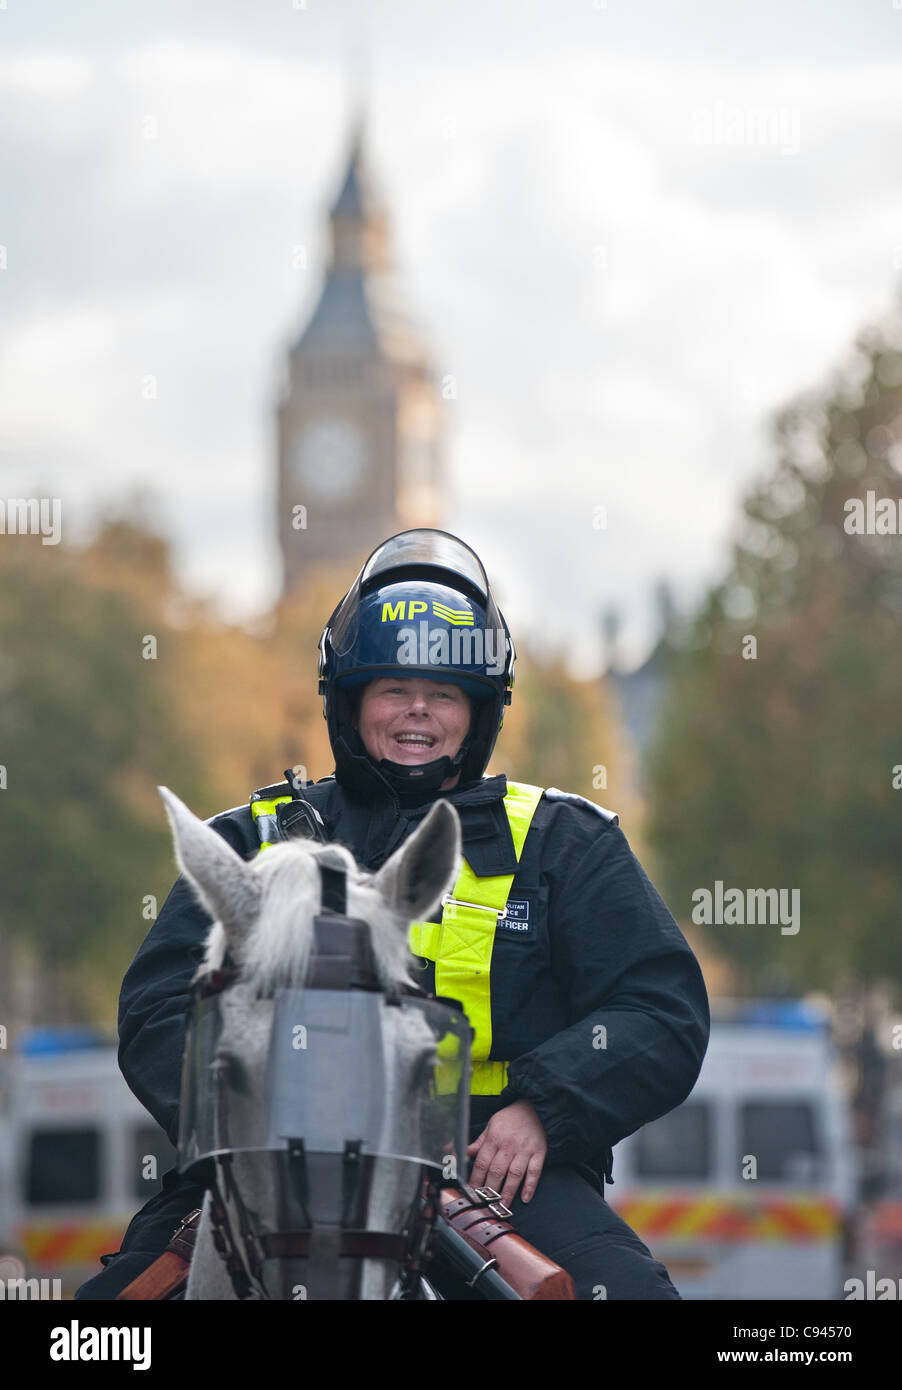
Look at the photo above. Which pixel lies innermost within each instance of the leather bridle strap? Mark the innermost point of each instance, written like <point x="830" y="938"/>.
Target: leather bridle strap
<point x="244" y="1250"/>
<point x="240" y="1255"/>
<point x="333" y="889"/>
<point x="363" y="1245"/>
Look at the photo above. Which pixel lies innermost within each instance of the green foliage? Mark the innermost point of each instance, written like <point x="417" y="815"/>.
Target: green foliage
<point x="778" y="771"/>
<point x="88" y="728"/>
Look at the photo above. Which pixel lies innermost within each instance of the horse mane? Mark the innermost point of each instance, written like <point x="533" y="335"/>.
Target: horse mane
<point x="277" y="945"/>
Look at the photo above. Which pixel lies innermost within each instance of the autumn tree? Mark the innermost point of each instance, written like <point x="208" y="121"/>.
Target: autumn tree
<point x="88" y="719"/>
<point x="780" y="762"/>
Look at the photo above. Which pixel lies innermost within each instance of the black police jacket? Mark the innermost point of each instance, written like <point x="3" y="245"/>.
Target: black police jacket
<point x="600" y="948"/>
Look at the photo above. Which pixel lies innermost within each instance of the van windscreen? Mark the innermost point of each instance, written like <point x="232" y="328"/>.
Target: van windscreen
<point x="677" y="1145"/>
<point x="63" y="1166"/>
<point x="781" y="1137"/>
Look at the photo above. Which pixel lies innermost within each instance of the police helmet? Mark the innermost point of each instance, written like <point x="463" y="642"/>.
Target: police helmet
<point x="420" y="606"/>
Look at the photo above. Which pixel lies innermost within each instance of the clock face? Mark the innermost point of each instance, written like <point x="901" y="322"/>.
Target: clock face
<point x="328" y="459"/>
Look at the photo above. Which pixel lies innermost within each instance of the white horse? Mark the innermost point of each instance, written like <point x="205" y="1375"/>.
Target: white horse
<point x="263" y="915"/>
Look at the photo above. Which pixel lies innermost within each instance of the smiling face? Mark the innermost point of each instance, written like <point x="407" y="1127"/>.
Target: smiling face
<point x="411" y="719"/>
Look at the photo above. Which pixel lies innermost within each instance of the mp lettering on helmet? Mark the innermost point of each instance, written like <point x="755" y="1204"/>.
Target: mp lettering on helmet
<point x="404" y="610"/>
<point x="395" y="612"/>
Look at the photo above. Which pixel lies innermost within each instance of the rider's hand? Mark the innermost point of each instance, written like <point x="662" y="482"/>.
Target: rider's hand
<point x="510" y="1149"/>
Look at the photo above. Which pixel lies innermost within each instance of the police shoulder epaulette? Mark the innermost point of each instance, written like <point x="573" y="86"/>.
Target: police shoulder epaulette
<point x="555" y="794"/>
<point x="230" y="812"/>
<point x="269" y="793"/>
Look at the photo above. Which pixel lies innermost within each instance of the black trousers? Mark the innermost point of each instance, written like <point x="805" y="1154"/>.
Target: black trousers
<point x="567" y="1219"/>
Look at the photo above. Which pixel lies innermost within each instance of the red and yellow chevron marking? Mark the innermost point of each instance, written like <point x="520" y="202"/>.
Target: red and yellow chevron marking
<point x="730" y="1219"/>
<point x="54" y="1247"/>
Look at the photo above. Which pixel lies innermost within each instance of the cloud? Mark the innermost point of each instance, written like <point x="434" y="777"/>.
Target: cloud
<point x="620" y="301"/>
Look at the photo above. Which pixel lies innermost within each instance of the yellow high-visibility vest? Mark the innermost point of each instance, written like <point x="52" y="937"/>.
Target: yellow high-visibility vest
<point x="461" y="944"/>
<point x="263" y="811"/>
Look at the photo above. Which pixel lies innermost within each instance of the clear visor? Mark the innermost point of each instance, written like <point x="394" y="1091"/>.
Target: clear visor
<point x="416" y="551"/>
<point x="341" y="1065"/>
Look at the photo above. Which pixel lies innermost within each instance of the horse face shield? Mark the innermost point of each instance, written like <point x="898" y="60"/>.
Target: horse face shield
<point x="342" y="1068"/>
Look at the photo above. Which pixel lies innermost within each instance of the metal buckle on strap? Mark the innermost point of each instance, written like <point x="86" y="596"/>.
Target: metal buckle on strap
<point x="190" y="1220"/>
<point x="491" y="1263"/>
<point x="495" y="1204"/>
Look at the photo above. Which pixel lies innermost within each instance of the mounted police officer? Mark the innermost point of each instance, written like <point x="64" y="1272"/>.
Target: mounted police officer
<point x="589" y="1010"/>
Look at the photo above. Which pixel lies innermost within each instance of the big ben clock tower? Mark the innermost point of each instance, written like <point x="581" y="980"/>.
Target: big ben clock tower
<point x="360" y="416"/>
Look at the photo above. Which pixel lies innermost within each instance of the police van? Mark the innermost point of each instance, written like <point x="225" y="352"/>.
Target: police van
<point x="78" y="1157"/>
<point x="748" y="1189"/>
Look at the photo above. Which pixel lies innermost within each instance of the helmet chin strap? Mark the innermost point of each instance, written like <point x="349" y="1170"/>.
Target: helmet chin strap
<point x="422" y="777"/>
<point x="359" y="772"/>
<point x="411" y="778"/>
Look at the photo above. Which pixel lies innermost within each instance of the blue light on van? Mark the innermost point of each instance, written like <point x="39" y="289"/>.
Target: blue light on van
<point x="47" y="1042"/>
<point x="792" y="1014"/>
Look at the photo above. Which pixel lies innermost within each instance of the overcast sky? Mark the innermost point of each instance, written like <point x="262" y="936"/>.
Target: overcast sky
<point x="629" y="230"/>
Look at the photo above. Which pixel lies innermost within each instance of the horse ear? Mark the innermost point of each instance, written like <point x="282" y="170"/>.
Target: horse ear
<point x="417" y="876"/>
<point x="224" y="884"/>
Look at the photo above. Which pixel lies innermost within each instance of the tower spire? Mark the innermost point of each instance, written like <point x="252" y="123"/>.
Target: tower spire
<point x="359" y="223"/>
